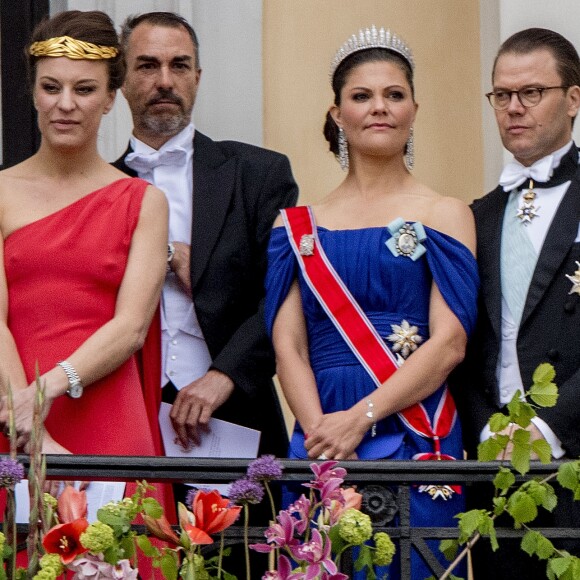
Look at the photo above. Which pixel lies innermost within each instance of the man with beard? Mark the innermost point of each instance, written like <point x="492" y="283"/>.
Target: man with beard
<point x="223" y="196"/>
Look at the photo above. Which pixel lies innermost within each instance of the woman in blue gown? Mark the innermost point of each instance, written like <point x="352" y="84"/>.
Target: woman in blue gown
<point x="406" y="254"/>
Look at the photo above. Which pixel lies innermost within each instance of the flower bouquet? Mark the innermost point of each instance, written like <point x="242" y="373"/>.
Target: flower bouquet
<point x="311" y="534"/>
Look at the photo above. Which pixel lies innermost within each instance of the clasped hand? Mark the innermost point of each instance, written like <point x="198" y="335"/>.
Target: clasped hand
<point x="335" y="436"/>
<point x="23" y="406"/>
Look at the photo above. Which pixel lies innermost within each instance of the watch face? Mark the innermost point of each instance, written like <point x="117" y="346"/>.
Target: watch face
<point x="75" y="391"/>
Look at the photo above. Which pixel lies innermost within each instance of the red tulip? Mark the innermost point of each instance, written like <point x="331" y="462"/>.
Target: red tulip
<point x="72" y="504"/>
<point x="64" y="540"/>
<point x="211" y="511"/>
<point x="211" y="514"/>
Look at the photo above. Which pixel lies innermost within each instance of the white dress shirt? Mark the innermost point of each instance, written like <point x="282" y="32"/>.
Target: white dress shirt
<point x="508" y="370"/>
<point x="184" y="353"/>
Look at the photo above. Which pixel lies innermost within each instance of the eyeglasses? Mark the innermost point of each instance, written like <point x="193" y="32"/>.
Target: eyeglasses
<point x="528" y="97"/>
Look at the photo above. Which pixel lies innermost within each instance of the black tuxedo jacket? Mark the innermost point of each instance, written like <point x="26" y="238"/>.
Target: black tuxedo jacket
<point x="238" y="190"/>
<point x="549" y="329"/>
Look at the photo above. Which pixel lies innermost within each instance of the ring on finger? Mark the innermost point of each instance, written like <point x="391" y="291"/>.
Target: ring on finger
<point x="322" y="457"/>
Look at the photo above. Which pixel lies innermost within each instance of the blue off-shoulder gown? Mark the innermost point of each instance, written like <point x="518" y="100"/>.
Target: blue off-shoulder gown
<point x="390" y="289"/>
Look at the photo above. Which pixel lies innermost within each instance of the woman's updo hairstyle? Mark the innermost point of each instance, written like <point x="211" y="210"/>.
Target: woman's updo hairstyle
<point x="342" y="72"/>
<point x="92" y="26"/>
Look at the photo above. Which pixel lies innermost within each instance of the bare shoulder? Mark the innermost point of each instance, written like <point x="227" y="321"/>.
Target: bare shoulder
<point x="155" y="200"/>
<point x="453" y="216"/>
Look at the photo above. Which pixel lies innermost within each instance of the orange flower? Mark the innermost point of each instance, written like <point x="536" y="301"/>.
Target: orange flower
<point x="352" y="499"/>
<point x="64" y="540"/>
<point x="72" y="504"/>
<point x="211" y="515"/>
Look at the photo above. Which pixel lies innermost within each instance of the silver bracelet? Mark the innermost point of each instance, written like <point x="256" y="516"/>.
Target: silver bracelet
<point x="75" y="385"/>
<point x="370" y="414"/>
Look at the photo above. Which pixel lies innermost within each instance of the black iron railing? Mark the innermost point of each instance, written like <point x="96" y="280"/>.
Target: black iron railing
<point x="394" y="478"/>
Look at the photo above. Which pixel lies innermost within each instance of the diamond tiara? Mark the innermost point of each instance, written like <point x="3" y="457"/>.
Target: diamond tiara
<point x="372" y="38"/>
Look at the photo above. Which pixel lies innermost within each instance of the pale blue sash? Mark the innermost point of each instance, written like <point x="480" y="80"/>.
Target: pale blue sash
<point x="518" y="259"/>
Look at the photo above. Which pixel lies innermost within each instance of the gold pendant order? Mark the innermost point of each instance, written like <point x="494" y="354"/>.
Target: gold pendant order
<point x="528" y="211"/>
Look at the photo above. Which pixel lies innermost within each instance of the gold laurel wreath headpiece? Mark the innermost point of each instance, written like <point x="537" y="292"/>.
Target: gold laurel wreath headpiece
<point x="71" y="48"/>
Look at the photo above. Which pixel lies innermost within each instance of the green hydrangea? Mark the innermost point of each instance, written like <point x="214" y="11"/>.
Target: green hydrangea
<point x="126" y="507"/>
<point x="46" y="574"/>
<point x="51" y="567"/>
<point x="98" y="537"/>
<point x="354" y="527"/>
<point x="385" y="549"/>
<point x="2" y="542"/>
<point x="52" y="563"/>
<point x="49" y="501"/>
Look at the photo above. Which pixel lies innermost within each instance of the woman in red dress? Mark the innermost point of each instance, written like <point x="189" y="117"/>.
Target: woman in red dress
<point x="82" y="256"/>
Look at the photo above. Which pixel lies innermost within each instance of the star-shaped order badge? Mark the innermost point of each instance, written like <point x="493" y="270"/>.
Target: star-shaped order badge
<point x="575" y="279"/>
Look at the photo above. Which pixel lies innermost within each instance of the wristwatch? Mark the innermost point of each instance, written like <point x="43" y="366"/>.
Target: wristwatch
<point x="75" y="385"/>
<point x="170" y="254"/>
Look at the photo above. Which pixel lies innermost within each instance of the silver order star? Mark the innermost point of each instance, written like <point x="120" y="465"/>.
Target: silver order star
<point x="527" y="212"/>
<point x="405" y="338"/>
<point x="575" y="279"/>
<point x="437" y="491"/>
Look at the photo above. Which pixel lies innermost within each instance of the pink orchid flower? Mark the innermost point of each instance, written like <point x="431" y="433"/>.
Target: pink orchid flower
<point x="280" y="535"/>
<point x="317" y="554"/>
<point x="325" y="471"/>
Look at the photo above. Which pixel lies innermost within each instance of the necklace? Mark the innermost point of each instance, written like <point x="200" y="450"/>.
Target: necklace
<point x="527" y="210"/>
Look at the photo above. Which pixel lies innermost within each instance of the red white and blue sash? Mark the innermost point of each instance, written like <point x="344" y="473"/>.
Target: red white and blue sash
<point x="357" y="330"/>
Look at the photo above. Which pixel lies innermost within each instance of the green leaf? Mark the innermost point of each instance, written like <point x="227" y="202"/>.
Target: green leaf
<point x="489" y="449"/>
<point x="449" y="548"/>
<point x="146" y="546"/>
<point x="498" y="422"/>
<point x="544" y="374"/>
<point x="544" y="395"/>
<point x="522" y="508"/>
<point x="365" y="559"/>
<point x="530" y="542"/>
<point x="522" y="413"/>
<point x="521" y="455"/>
<point x="169" y="565"/>
<point x="543" y="450"/>
<point x="504" y="480"/>
<point x="469" y="522"/>
<point x="152" y="507"/>
<point x="337" y="543"/>
<point x="499" y="504"/>
<point x="560" y="565"/>
<point x="569" y="475"/>
<point x="534" y="543"/>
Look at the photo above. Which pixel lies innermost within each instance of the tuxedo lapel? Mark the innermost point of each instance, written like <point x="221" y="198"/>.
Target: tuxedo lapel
<point x="559" y="239"/>
<point x="213" y="185"/>
<point x="489" y="218"/>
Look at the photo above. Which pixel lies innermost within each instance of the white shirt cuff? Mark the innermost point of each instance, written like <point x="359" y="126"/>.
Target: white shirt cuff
<point x="553" y="441"/>
<point x="550" y="437"/>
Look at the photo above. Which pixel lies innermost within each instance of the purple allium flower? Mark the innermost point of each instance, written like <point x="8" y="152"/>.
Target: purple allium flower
<point x="265" y="468"/>
<point x="244" y="491"/>
<point x="11" y="472"/>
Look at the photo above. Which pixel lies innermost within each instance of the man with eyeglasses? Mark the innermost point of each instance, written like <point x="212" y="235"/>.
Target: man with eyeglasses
<point x="528" y="240"/>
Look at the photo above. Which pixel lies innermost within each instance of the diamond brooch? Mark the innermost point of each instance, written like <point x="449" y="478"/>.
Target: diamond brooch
<point x="406" y="239"/>
<point x="306" y="247"/>
<point x="405" y="339"/>
<point x="575" y="279"/>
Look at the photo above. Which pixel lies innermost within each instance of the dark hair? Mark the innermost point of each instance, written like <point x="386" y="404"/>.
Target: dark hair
<point x="532" y="39"/>
<point x="167" y="19"/>
<point x="90" y="26"/>
<point x="340" y="77"/>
